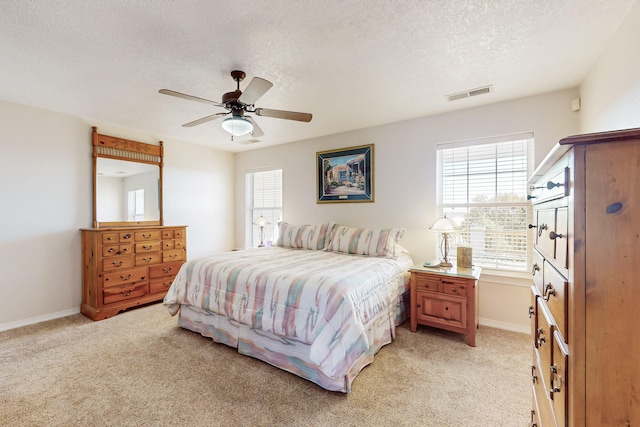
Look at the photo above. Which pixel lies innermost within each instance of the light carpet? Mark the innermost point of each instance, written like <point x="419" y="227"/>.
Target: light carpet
<point x="140" y="369"/>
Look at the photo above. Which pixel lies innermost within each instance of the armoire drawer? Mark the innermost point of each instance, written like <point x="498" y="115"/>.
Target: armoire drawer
<point x="553" y="185"/>
<point x="544" y="341"/>
<point x="537" y="271"/>
<point x="559" y="380"/>
<point x="555" y="294"/>
<point x="551" y="236"/>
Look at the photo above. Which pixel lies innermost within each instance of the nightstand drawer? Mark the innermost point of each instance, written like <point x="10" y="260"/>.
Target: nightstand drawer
<point x="442" y="309"/>
<point x="451" y="287"/>
<point x="427" y="283"/>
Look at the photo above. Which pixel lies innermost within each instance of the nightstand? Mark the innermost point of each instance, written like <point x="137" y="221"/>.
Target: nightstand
<point x="445" y="298"/>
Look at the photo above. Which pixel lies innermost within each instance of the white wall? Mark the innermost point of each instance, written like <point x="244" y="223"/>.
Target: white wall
<point x="611" y="92"/>
<point x="405" y="178"/>
<point x="46" y="197"/>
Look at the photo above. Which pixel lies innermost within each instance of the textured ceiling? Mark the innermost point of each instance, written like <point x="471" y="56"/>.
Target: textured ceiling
<point x="352" y="64"/>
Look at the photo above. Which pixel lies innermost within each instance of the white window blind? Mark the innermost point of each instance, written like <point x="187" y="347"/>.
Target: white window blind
<point x="264" y="198"/>
<point x="483" y="189"/>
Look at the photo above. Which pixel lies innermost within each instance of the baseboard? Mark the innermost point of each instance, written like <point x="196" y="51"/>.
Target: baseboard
<point x="515" y="327"/>
<point x="38" y="319"/>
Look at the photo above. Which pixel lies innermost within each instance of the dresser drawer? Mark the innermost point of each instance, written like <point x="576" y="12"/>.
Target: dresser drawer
<point x="173" y="233"/>
<point x="148" y="258"/>
<point x="122" y="277"/>
<point x="161" y="284"/>
<point x="426" y="283"/>
<point x="173" y="255"/>
<point x="113" y="250"/>
<point x="151" y="246"/>
<point x="123" y="292"/>
<point x="440" y="308"/>
<point x="116" y="263"/>
<point x="147" y="235"/>
<point x="115" y="237"/>
<point x="166" y="269"/>
<point x="555" y="295"/>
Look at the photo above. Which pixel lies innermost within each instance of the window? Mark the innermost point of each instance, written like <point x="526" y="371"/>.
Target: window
<point x="483" y="189"/>
<point x="136" y="205"/>
<point x="264" y="198"/>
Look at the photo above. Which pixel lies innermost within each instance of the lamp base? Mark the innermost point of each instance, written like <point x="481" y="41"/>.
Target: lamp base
<point x="446" y="264"/>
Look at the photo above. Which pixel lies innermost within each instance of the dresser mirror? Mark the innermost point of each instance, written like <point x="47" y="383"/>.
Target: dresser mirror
<point x="127" y="182"/>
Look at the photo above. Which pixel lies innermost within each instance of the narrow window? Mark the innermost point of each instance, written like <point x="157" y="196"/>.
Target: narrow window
<point x="135" y="205"/>
<point x="264" y="199"/>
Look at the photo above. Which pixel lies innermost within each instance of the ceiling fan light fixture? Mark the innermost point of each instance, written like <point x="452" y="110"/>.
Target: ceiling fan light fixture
<point x="237" y="126"/>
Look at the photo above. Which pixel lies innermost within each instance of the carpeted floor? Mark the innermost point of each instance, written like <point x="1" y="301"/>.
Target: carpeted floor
<point x="140" y="369"/>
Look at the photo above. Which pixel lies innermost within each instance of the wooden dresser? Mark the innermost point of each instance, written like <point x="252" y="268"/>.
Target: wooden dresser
<point x="585" y="298"/>
<point x="124" y="267"/>
<point x="445" y="298"/>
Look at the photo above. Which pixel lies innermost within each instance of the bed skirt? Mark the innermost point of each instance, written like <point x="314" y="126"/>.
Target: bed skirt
<point x="290" y="355"/>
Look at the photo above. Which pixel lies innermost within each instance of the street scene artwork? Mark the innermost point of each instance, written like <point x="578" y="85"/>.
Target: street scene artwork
<point x="345" y="175"/>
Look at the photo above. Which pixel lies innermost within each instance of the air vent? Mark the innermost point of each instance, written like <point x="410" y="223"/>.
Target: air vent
<point x="248" y="141"/>
<point x="470" y="93"/>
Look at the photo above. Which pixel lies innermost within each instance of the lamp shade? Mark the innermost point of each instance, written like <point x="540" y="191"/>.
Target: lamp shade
<point x="261" y="221"/>
<point x="443" y="225"/>
<point x="237" y="125"/>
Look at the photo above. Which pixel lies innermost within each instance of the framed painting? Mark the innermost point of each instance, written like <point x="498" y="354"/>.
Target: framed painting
<point x="345" y="175"/>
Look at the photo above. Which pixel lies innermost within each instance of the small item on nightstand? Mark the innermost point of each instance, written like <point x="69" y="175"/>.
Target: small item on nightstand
<point x="432" y="264"/>
<point x="465" y="257"/>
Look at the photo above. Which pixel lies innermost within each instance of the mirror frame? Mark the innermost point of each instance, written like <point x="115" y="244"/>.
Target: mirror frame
<point x="131" y="151"/>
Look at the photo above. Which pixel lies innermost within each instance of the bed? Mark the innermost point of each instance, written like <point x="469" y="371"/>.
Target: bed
<point x="320" y="304"/>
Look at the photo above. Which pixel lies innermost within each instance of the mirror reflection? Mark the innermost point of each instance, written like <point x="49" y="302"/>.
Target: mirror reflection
<point x="126" y="191"/>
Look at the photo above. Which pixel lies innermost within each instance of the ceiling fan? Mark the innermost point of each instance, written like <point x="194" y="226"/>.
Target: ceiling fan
<point x="237" y="104"/>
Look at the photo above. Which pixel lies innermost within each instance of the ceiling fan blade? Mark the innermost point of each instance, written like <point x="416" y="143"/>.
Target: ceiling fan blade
<point x="190" y="97"/>
<point x="281" y="114"/>
<point x="204" y="120"/>
<point x="256" y="88"/>
<point x="257" y="131"/>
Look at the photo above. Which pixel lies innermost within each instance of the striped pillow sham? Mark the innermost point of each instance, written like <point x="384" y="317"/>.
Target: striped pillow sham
<point x="366" y="241"/>
<point x="311" y="237"/>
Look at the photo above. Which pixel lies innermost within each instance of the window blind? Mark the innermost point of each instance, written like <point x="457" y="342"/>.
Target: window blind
<point x="264" y="198"/>
<point x="483" y="189"/>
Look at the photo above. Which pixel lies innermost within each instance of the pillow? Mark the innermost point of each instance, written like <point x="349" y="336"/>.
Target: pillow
<point x="366" y="241"/>
<point x="304" y="236"/>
